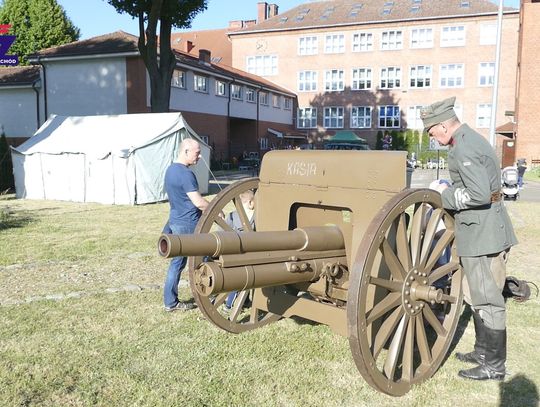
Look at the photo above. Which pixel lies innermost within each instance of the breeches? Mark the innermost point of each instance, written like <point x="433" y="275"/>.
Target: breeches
<point x="483" y="285"/>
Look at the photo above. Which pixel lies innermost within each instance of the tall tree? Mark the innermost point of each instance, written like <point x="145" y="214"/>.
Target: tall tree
<point x="160" y="65"/>
<point x="37" y="24"/>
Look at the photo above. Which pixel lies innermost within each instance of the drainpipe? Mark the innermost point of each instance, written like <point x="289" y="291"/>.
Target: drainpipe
<point x="44" y="86"/>
<point x="36" y="85"/>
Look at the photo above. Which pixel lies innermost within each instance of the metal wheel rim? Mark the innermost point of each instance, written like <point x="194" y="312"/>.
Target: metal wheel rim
<point x="418" y="342"/>
<point x="235" y="321"/>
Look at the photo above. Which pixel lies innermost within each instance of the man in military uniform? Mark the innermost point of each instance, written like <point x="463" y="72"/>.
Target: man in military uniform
<point x="484" y="233"/>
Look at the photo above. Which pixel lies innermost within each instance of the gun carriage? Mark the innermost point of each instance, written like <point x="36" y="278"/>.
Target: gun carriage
<point x="341" y="241"/>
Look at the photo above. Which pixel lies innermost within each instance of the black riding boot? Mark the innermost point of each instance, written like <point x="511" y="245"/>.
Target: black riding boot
<point x="478" y="354"/>
<point x="493" y="366"/>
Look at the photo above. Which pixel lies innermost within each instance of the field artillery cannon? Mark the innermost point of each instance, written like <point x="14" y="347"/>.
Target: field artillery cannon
<point x="341" y="241"/>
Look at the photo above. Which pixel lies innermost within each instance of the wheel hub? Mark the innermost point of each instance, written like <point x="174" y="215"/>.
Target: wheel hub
<point x="416" y="292"/>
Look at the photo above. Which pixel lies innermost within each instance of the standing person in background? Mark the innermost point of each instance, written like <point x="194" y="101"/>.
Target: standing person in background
<point x="186" y="206"/>
<point x="521" y="167"/>
<point x="483" y="232"/>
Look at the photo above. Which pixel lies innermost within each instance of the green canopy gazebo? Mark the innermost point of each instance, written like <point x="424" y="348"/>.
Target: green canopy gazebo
<point x="345" y="140"/>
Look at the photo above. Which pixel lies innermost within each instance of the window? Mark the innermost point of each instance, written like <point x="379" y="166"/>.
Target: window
<point x="391" y="40"/>
<point x="287" y="103"/>
<point x="390" y="77"/>
<point x="308" y="46"/>
<point x="276" y="100"/>
<point x="389" y="116"/>
<point x="334" y="80"/>
<point x="361" y="78"/>
<point x="420" y="76"/>
<point x="263" y="142"/>
<point x="488" y="34"/>
<point x="263" y="65"/>
<point x="200" y="83"/>
<point x="204" y="138"/>
<point x="178" y="79"/>
<point x="307" y="81"/>
<point x="221" y="88"/>
<point x="361" y="117"/>
<point x="413" y="118"/>
<point x="483" y="115"/>
<point x="333" y="117"/>
<point x="236" y="92"/>
<point x="263" y="98"/>
<point x="334" y="44"/>
<point x="451" y="75"/>
<point x="422" y="38"/>
<point x="486" y="73"/>
<point x="453" y="36"/>
<point x="250" y="95"/>
<point x="307" y="118"/>
<point x="362" y="42"/>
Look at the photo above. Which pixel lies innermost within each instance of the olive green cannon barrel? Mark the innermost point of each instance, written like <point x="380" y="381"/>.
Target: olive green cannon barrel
<point x="214" y="244"/>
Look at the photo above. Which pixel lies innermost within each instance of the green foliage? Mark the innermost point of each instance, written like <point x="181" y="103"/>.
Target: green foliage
<point x="378" y="144"/>
<point x="6" y="166"/>
<point x="399" y="141"/>
<point x="38" y="24"/>
<point x="168" y="13"/>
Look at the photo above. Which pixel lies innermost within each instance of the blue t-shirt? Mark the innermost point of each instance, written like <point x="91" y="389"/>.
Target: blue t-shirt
<point x="179" y="180"/>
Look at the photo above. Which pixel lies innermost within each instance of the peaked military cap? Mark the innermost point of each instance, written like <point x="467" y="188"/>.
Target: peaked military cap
<point x="437" y="112"/>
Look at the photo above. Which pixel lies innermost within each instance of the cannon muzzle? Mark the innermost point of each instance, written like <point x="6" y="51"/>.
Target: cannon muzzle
<point x="320" y="238"/>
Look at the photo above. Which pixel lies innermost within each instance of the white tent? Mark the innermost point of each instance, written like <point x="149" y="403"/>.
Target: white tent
<point x="117" y="159"/>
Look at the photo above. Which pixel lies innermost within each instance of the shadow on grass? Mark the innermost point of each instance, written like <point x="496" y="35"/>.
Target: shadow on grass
<point x="519" y="392"/>
<point x="8" y="221"/>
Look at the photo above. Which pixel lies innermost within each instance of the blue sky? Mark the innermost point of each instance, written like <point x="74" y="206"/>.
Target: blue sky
<point x="97" y="17"/>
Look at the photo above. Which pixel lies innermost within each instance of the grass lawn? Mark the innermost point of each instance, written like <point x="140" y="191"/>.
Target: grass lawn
<point x="82" y="323"/>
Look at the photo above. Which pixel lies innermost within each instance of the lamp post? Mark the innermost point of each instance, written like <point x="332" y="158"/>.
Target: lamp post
<point x="493" y="120"/>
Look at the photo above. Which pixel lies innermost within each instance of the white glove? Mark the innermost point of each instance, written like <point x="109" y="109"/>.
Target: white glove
<point x="439" y="185"/>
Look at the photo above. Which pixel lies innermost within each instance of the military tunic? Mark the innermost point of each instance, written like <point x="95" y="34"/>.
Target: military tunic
<point x="483" y="228"/>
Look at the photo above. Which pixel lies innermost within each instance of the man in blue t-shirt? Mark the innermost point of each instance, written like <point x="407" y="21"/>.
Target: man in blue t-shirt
<point x="186" y="205"/>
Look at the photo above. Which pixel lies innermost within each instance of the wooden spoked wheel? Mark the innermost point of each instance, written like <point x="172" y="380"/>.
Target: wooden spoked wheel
<point x="404" y="300"/>
<point x="242" y="316"/>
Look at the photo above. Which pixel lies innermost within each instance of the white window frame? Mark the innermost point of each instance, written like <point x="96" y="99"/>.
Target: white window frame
<point x="287" y="103"/>
<point x="306" y="118"/>
<point x="200" y="83"/>
<point x="421" y="37"/>
<point x="453" y="36"/>
<point x="236" y="91"/>
<point x="361" y="117"/>
<point x="452" y="75"/>
<point x="483" y="115"/>
<point x="221" y="88"/>
<point x="390" y="120"/>
<point x="334" y="43"/>
<point x="362" y="79"/>
<point x="263" y="98"/>
<point x="414" y="121"/>
<point x="263" y="143"/>
<point x="250" y="95"/>
<point x="276" y="101"/>
<point x="362" y="41"/>
<point x="391" y="40"/>
<point x="334" y="80"/>
<point x="486" y="74"/>
<point x="334" y="117"/>
<point x="488" y="33"/>
<point x="420" y="76"/>
<point x="390" y="77"/>
<point x="178" y="79"/>
<point x="262" y="65"/>
<point x="204" y="138"/>
<point x="308" y="45"/>
<point x="307" y="81"/>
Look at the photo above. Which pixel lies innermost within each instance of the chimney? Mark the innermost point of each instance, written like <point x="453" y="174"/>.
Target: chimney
<point x="272" y="10"/>
<point x="262" y="11"/>
<point x="204" y="56"/>
<point x="189" y="46"/>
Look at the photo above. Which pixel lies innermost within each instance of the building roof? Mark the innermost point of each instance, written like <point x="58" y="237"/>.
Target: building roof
<point x="330" y="13"/>
<point x="216" y="41"/>
<point x="113" y="43"/>
<point x="18" y="75"/>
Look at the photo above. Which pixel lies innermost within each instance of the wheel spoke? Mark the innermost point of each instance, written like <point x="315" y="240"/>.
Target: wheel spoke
<point x="442" y="271"/>
<point x="422" y="341"/>
<point x="222" y="224"/>
<point x="242" y="213"/>
<point x="391" y="361"/>
<point x="433" y="321"/>
<point x="238" y="305"/>
<point x="392" y="261"/>
<point x="444" y="242"/>
<point x="389" y="302"/>
<point x="402" y="243"/>
<point x="390" y="285"/>
<point x="386" y="330"/>
<point x="220" y="299"/>
<point x="416" y="232"/>
<point x="429" y="233"/>
<point x="407" y="366"/>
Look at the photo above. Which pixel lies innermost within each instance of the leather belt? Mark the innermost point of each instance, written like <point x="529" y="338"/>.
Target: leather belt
<point x="496" y="196"/>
